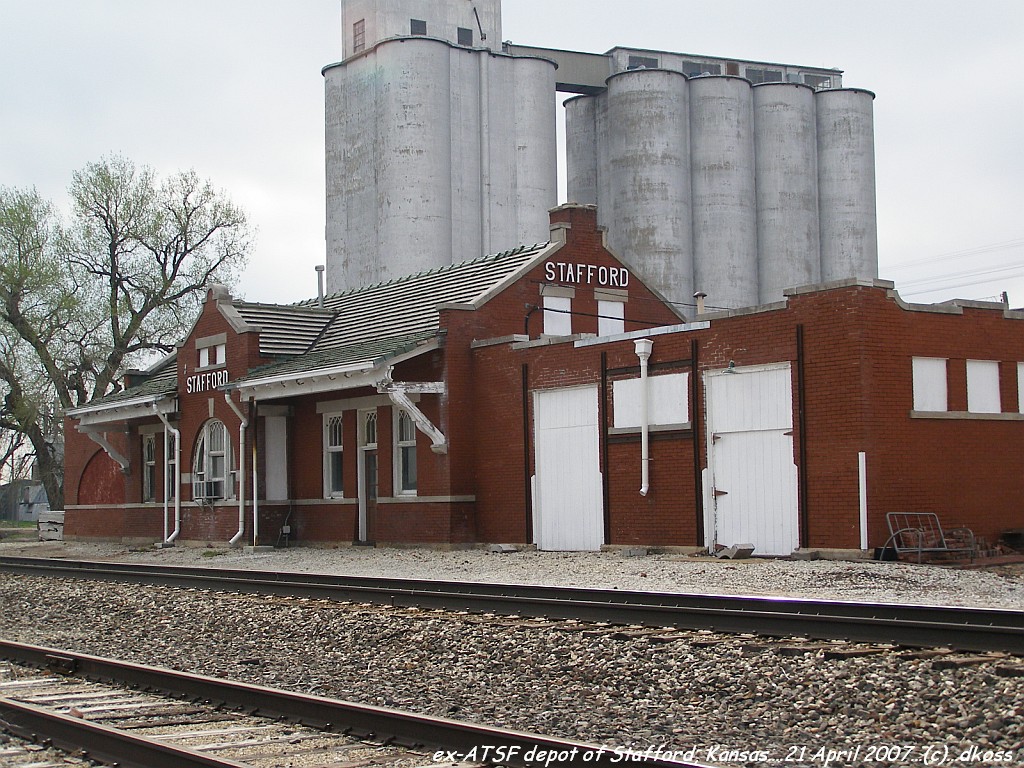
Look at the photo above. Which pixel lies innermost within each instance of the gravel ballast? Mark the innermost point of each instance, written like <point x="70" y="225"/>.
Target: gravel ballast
<point x="736" y="702"/>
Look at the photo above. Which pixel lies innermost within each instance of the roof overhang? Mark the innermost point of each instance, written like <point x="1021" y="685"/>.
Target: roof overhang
<point x="367" y="373"/>
<point x="104" y="414"/>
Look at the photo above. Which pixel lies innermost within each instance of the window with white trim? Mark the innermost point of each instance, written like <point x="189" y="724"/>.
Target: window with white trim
<point x="210" y="469"/>
<point x="170" y="475"/>
<point x="557" y="316"/>
<point x="406" y="482"/>
<point x="214" y="354"/>
<point x="149" y="467"/>
<point x="930" y="384"/>
<point x="611" y="318"/>
<point x="668" y="401"/>
<point x="983" y="386"/>
<point x="334" y="474"/>
<point x="1020" y="387"/>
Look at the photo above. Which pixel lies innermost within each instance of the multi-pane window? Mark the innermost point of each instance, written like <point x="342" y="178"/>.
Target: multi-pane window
<point x="405" y="453"/>
<point x="642" y="62"/>
<point x="696" y="68"/>
<point x="359" y="36"/>
<point x="930" y="384"/>
<point x="333" y="469"/>
<point x="149" y="467"/>
<point x="170" y="476"/>
<point x="756" y="76"/>
<point x="210" y="469"/>
<point x="818" y="82"/>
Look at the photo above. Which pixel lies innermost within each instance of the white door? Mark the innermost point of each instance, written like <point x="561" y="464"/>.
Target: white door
<point x="568" y="509"/>
<point x="276" y="453"/>
<point x="754" y="495"/>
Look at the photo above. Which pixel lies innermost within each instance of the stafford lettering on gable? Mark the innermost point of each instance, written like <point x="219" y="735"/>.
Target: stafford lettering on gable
<point x="586" y="274"/>
<point x="204" y="382"/>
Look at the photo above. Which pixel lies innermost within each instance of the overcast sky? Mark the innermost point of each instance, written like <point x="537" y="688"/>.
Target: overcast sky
<point x="232" y="88"/>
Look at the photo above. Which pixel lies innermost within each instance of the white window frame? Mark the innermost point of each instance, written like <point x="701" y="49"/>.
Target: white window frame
<point x="668" y="401"/>
<point x="1020" y="387"/>
<point x="212" y="355"/>
<point x="931" y="393"/>
<point x="204" y="474"/>
<point x="333" y="452"/>
<point x="983" y="387"/>
<point x="149" y="483"/>
<point x="611" y="317"/>
<point x="557" y="316"/>
<point x="405" y="444"/>
<point x="170" y="487"/>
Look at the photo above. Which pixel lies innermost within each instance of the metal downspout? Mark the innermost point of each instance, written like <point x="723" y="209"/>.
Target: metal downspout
<point x="243" y="423"/>
<point x="643" y="351"/>
<point x="177" y="477"/>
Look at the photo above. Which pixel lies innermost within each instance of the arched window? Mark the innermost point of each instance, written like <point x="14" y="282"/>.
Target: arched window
<point x="211" y="467"/>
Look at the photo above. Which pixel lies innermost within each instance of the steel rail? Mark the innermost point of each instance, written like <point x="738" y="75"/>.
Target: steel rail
<point x="99" y="742"/>
<point x="382" y="724"/>
<point x="966" y="629"/>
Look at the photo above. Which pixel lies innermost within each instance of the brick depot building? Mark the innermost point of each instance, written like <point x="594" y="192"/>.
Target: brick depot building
<point x="546" y="396"/>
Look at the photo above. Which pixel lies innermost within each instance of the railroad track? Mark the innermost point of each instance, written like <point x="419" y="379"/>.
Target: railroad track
<point x="963" y="629"/>
<point x="132" y="715"/>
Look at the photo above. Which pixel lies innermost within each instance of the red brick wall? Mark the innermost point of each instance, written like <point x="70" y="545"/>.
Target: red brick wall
<point x="857" y="346"/>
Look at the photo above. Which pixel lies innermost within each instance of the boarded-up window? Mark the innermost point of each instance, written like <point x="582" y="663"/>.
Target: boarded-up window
<point x="930" y="384"/>
<point x="610" y="318"/>
<point x="1020" y="387"/>
<point x="983" y="386"/>
<point x="557" y="316"/>
<point x="668" y="401"/>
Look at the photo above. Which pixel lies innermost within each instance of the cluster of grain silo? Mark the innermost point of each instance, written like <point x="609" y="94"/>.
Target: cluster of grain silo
<point x="436" y="153"/>
<point x="713" y="184"/>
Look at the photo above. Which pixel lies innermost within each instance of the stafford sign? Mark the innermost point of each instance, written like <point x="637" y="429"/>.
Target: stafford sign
<point x="586" y="274"/>
<point x="205" y="382"/>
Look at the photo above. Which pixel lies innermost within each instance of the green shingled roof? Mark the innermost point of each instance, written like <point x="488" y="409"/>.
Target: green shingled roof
<point x="360" y="326"/>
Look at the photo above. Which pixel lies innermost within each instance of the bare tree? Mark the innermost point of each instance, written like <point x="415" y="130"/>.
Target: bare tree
<point x="85" y="297"/>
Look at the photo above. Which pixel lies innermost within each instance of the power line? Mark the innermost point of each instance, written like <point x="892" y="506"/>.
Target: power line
<point x="959" y="254"/>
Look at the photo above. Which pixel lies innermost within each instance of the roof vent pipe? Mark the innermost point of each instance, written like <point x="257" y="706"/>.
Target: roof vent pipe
<point x="643" y="351"/>
<point x="700" y="296"/>
<point x="320" y="285"/>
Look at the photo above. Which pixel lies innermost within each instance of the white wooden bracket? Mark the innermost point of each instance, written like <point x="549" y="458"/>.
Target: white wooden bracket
<point x="399" y="392"/>
<point x="100" y="438"/>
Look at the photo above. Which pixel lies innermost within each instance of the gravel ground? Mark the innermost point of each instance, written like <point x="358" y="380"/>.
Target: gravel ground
<point x="863" y="581"/>
<point x="728" y="702"/>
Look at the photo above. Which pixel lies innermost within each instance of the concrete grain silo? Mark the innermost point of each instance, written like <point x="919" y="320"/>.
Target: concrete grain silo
<point x="786" y="155"/>
<point x="648" y="170"/>
<point x="846" y="184"/>
<point x="736" y="178"/>
<point x="438" y="150"/>
<point x="724" y="196"/>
